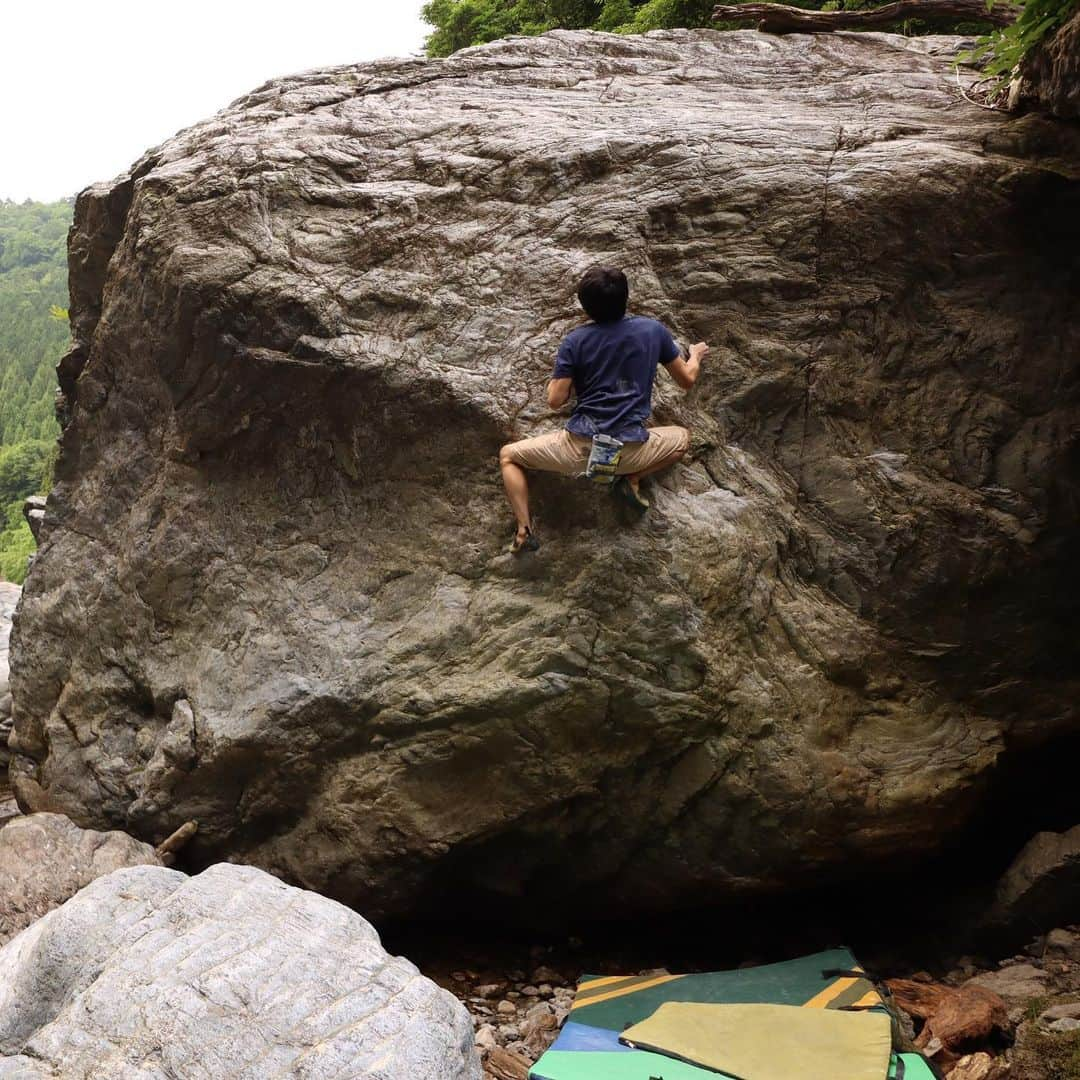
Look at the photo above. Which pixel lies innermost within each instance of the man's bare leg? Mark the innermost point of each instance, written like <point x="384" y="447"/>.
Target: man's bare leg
<point x="517" y="492"/>
<point x="634" y="479"/>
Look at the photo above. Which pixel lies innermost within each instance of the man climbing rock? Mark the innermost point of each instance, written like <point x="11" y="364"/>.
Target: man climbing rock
<point x="610" y="365"/>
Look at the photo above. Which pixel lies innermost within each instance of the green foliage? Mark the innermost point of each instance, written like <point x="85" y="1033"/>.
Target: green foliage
<point x="33" y="334"/>
<point x="16" y="547"/>
<point x="459" y="23"/>
<point x="1001" y="51"/>
<point x="23" y="469"/>
<point x="33" y="280"/>
<point x="665" y="14"/>
<point x="1049" y="1055"/>
<point x="1035" y="1008"/>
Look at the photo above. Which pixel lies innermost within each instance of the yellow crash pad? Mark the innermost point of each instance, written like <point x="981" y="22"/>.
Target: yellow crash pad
<point x="769" y="1042"/>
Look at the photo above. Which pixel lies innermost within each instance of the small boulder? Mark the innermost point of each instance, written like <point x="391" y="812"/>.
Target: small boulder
<point x="1068" y="1011"/>
<point x="1062" y="945"/>
<point x="1042" y="886"/>
<point x="34" y="512"/>
<point x="45" y="859"/>
<point x="1065" y="1024"/>
<point x="232" y="973"/>
<point x="539" y="1028"/>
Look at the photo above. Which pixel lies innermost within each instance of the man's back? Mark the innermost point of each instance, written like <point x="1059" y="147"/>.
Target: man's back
<point x="610" y="365"/>
<point x="613" y="366"/>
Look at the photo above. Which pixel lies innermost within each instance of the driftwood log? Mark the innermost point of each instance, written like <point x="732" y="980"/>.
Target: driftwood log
<point x="167" y="849"/>
<point x="505" y="1065"/>
<point x="783" y="19"/>
<point x="956" y="1020"/>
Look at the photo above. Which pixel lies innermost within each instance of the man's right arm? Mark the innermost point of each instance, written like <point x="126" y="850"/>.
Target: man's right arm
<point x="685" y="371"/>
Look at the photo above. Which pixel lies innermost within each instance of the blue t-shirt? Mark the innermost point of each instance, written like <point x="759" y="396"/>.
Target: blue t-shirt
<point x="613" y="366"/>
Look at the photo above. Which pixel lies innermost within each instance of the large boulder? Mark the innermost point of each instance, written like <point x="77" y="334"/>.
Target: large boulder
<point x="46" y="859"/>
<point x="273" y="593"/>
<point x="149" y="974"/>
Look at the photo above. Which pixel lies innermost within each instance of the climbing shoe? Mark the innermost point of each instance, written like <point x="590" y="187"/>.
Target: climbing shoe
<point x="625" y="493"/>
<point x="529" y="543"/>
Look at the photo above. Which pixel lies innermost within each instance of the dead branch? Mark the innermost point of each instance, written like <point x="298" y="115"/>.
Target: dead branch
<point x="783" y="19"/>
<point x="167" y="849"/>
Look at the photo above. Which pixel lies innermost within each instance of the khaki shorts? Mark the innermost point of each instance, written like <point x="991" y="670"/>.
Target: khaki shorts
<point x="561" y="452"/>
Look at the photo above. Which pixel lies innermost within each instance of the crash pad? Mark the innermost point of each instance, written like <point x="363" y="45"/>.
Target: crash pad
<point x="769" y="1042"/>
<point x="588" y="1047"/>
<point x="825" y="980"/>
<point x="911" y="1067"/>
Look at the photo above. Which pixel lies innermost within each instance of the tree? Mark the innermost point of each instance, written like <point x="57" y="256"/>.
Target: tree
<point x="33" y="333"/>
<point x="459" y="23"/>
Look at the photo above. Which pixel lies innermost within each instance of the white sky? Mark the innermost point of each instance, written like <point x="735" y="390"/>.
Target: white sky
<point x="87" y="85"/>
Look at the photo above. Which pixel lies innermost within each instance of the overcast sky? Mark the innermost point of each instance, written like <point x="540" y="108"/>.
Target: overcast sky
<point x="87" y="85"/>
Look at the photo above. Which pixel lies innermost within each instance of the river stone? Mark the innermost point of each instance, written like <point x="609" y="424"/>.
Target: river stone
<point x="148" y="974"/>
<point x="46" y="859"/>
<point x="273" y="593"/>
<point x="1016" y="984"/>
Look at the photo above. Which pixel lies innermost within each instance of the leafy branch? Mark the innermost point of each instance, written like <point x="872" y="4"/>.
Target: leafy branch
<point x="1000" y="52"/>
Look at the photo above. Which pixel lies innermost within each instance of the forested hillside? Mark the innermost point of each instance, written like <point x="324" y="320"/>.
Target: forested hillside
<point x="33" y="332"/>
<point x="460" y="23"/>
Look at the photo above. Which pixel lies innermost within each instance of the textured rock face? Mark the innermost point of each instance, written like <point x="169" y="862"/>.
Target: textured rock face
<point x="1052" y="71"/>
<point x="273" y="595"/>
<point x="148" y="974"/>
<point x="9" y="599"/>
<point x="1042" y="886"/>
<point x="45" y="859"/>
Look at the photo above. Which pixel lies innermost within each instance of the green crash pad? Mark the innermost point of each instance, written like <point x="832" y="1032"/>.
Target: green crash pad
<point x="568" y="1065"/>
<point x="614" y="1003"/>
<point x="916" y="1067"/>
<point x="769" y="1042"/>
<point x="588" y="1046"/>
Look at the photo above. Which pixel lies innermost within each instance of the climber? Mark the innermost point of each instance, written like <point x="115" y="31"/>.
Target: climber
<point x="610" y="364"/>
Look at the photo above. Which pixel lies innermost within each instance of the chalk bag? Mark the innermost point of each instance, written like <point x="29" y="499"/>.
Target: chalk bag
<point x="603" y="459"/>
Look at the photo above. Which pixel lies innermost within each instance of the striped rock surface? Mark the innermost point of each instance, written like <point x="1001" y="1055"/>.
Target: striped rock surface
<point x="147" y="974"/>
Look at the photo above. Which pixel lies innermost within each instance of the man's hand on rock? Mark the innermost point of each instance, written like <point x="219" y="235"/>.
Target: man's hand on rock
<point x="685" y="372"/>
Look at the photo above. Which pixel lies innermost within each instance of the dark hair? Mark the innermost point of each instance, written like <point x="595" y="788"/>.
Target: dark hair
<point x="603" y="293"/>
